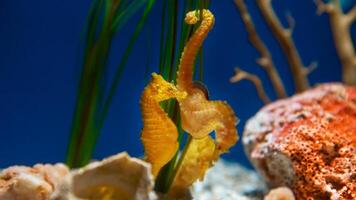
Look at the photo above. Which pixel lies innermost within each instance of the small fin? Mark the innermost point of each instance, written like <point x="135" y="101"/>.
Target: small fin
<point x="202" y="87"/>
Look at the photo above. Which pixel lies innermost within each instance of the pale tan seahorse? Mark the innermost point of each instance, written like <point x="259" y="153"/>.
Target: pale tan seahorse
<point x="199" y="115"/>
<point x="159" y="134"/>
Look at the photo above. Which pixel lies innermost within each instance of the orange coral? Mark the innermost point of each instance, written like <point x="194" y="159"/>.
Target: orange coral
<point x="308" y="142"/>
<point x="159" y="134"/>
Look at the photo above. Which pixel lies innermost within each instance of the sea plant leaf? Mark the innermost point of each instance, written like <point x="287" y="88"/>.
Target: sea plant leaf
<point x="92" y="106"/>
<point x="125" y="14"/>
<point x="121" y="67"/>
<point x="84" y="121"/>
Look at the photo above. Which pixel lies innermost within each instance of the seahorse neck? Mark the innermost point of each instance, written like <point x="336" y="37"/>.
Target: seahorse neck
<point x="185" y="74"/>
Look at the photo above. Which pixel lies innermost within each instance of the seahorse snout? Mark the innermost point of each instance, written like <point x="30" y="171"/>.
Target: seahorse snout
<point x="181" y="95"/>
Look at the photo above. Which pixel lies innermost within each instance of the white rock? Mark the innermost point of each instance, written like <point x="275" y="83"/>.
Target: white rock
<point x="116" y="177"/>
<point x="229" y="181"/>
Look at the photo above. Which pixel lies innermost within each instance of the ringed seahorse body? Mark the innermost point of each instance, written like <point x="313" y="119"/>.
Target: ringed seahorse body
<point x="159" y="134"/>
<point x="199" y="115"/>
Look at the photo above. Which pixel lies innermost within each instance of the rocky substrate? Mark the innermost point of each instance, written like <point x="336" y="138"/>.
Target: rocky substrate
<point x="225" y="181"/>
<point x="307" y="142"/>
<point x="114" y="178"/>
<point x="229" y="181"/>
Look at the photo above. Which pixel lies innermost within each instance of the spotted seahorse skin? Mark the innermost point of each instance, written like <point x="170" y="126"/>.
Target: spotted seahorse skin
<point x="159" y="134"/>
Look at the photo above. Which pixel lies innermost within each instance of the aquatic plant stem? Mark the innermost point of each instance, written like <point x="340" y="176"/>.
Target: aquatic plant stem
<point x="265" y="60"/>
<point x="162" y="37"/>
<point x="106" y="17"/>
<point x="340" y="23"/>
<point x="179" y="163"/>
<point x="241" y="75"/>
<point x="173" y="42"/>
<point x="84" y="126"/>
<point x="285" y="40"/>
<point x="167" y="69"/>
<point x="170" y="51"/>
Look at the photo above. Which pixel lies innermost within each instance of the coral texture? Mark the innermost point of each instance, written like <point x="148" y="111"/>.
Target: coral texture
<point x="307" y="142"/>
<point x="35" y="183"/>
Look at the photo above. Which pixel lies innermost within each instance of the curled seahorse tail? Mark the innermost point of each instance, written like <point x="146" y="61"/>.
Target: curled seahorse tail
<point x="185" y="74"/>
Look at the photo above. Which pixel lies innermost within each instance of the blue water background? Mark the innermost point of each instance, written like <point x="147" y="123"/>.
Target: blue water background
<point x="40" y="68"/>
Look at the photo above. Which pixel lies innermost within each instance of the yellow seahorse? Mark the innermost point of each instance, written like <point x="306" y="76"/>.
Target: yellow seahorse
<point x="159" y="134"/>
<point x="199" y="115"/>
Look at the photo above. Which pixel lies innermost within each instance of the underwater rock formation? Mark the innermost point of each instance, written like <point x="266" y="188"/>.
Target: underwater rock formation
<point x="229" y="181"/>
<point x="35" y="183"/>
<point x="307" y="142"/>
<point x="116" y="177"/>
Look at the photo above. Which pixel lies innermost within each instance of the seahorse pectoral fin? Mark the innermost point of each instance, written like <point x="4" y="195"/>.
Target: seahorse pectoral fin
<point x="202" y="88"/>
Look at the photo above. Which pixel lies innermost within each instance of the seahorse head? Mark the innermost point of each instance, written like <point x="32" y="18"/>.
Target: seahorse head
<point x="163" y="90"/>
